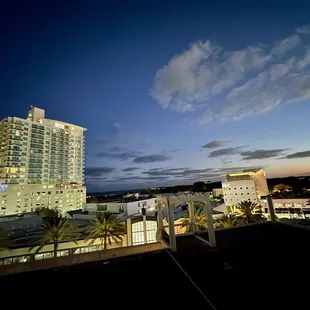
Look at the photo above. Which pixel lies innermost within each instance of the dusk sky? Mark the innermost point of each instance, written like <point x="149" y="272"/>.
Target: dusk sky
<point x="171" y="92"/>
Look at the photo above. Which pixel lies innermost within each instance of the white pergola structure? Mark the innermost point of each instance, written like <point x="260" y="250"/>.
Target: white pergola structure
<point x="173" y="201"/>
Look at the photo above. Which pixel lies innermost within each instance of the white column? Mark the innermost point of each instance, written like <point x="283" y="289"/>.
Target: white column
<point x="272" y="213"/>
<point x="160" y="223"/>
<point x="129" y="232"/>
<point x="192" y="216"/>
<point x="144" y="229"/>
<point x="211" y="232"/>
<point x="172" y="238"/>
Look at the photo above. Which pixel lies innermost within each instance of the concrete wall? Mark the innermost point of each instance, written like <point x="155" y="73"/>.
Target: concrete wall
<point x="217" y="192"/>
<point x="129" y="208"/>
<point x="136" y="206"/>
<point x="79" y="258"/>
<point x="27" y="222"/>
<point x="261" y="183"/>
<point x="237" y="191"/>
<point x="97" y="206"/>
<point x="62" y="246"/>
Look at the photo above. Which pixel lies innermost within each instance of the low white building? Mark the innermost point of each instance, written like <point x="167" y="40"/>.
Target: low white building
<point x="216" y="192"/>
<point x="289" y="207"/>
<point x="247" y="185"/>
<point x="17" y="199"/>
<point x="128" y="208"/>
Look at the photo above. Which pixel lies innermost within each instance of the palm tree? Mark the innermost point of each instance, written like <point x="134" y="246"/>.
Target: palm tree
<point x="200" y="217"/>
<point x="5" y="240"/>
<point x="250" y="211"/>
<point x="53" y="230"/>
<point x="227" y="220"/>
<point x="107" y="227"/>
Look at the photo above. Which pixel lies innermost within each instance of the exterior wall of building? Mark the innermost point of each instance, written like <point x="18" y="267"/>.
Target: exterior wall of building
<point x="217" y="192"/>
<point x="114" y="207"/>
<point x="250" y="185"/>
<point x="27" y="222"/>
<point x="237" y="191"/>
<point x="38" y="159"/>
<point x="17" y="199"/>
<point x="260" y="180"/>
<point x="128" y="208"/>
<point x="63" y="250"/>
<point x="136" y="206"/>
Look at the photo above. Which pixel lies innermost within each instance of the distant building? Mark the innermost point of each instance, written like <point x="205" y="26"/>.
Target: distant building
<point x="41" y="164"/>
<point x="216" y="192"/>
<point x="128" y="208"/>
<point x="291" y="208"/>
<point x="246" y="185"/>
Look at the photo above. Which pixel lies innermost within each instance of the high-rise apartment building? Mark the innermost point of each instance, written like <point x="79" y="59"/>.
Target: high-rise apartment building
<point x="41" y="164"/>
<point x="246" y="185"/>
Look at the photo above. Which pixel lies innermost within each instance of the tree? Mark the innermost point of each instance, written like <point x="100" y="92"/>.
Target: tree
<point x="55" y="229"/>
<point x="250" y="211"/>
<point x="199" y="186"/>
<point x="5" y="239"/>
<point x="200" y="217"/>
<point x="107" y="227"/>
<point x="227" y="220"/>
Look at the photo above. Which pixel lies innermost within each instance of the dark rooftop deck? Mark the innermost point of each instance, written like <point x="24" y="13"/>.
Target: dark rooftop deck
<point x="255" y="267"/>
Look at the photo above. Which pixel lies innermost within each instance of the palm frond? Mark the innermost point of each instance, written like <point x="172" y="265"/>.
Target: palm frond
<point x="54" y="230"/>
<point x="200" y="217"/>
<point x="106" y="226"/>
<point x="226" y="220"/>
<point x="250" y="211"/>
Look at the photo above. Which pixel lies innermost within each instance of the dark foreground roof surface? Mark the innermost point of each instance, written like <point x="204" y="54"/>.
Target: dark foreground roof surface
<point x="255" y="267"/>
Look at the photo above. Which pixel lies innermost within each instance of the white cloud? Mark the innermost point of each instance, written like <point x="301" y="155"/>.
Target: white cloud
<point x="304" y="29"/>
<point x="286" y="45"/>
<point x="222" y="85"/>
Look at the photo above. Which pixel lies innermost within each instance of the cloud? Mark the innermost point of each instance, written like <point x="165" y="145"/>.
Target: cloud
<point x="226" y="161"/>
<point x="226" y="151"/>
<point x="217" y="85"/>
<point x="304" y="29"/>
<point x="136" y="179"/>
<point x="286" y="45"/>
<point x="183" y="172"/>
<point x="215" y="144"/>
<point x="120" y="156"/>
<point x="298" y="155"/>
<point x="151" y="158"/>
<point x="130" y="169"/>
<point x="261" y="154"/>
<point x="98" y="171"/>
